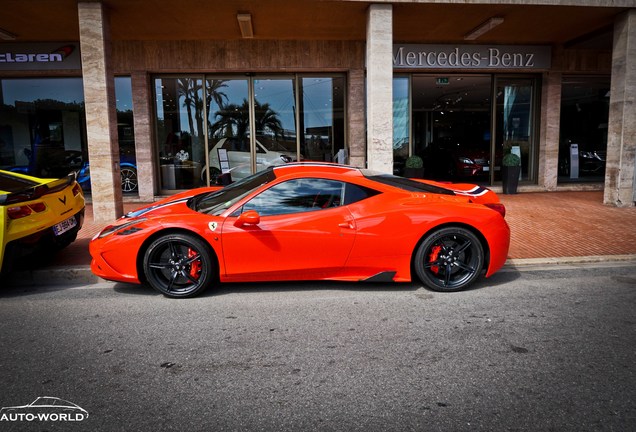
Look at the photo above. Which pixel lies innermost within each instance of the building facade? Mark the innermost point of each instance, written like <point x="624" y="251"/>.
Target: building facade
<point x="147" y="98"/>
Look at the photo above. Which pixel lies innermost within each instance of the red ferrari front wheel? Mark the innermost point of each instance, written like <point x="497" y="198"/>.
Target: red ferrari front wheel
<point x="179" y="265"/>
<point x="449" y="259"/>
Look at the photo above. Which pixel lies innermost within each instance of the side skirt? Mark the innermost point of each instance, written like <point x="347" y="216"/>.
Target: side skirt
<point x="386" y="276"/>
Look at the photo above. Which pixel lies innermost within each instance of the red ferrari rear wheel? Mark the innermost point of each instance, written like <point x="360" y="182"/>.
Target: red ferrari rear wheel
<point x="449" y="259"/>
<point x="179" y="265"/>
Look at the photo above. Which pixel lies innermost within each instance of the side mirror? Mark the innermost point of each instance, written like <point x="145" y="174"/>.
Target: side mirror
<point x="250" y="217"/>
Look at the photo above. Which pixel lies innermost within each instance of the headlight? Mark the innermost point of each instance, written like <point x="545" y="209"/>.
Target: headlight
<point x="110" y="229"/>
<point x="285" y="158"/>
<point x="466" y="161"/>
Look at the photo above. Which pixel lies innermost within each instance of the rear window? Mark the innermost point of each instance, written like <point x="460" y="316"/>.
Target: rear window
<point x="404" y="183"/>
<point x="355" y="193"/>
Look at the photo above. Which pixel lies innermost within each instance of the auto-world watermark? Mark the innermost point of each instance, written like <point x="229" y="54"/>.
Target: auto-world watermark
<point x="44" y="409"/>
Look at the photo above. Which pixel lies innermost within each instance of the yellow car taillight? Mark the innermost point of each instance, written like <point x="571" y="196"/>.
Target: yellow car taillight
<point x="25" y="210"/>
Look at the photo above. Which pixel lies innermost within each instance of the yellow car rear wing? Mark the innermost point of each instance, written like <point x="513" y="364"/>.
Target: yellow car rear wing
<point x="23" y="189"/>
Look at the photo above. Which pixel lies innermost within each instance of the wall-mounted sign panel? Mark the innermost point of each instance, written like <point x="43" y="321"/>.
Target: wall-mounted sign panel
<point x="500" y="57"/>
<point x="40" y="56"/>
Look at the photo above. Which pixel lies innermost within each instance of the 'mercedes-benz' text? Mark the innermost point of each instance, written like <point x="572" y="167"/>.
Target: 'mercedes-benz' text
<point x="470" y="56"/>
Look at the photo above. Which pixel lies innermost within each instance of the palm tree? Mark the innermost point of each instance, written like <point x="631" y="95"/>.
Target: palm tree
<point x="233" y="120"/>
<point x="187" y="88"/>
<point x="212" y="88"/>
<point x="266" y="119"/>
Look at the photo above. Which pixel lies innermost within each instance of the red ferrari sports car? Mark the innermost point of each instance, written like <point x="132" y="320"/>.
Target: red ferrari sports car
<point x="308" y="221"/>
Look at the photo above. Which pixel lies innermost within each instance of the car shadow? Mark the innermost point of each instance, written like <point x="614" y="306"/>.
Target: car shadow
<point x="501" y="278"/>
<point x="134" y="289"/>
<point x="228" y="288"/>
<point x="44" y="257"/>
<point x="272" y="287"/>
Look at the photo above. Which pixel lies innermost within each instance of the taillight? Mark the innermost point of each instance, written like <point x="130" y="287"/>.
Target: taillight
<point x="18" y="212"/>
<point x="25" y="210"/>
<point x="498" y="207"/>
<point x="38" y="207"/>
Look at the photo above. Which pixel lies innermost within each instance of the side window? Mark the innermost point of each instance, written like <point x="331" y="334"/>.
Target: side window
<point x="296" y="196"/>
<point x="355" y="193"/>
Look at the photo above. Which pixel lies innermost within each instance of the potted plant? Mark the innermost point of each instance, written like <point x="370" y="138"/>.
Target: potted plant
<point x="414" y="167"/>
<point x="510" y="171"/>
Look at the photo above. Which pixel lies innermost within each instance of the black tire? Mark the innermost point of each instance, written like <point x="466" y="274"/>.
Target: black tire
<point x="129" y="182"/>
<point x="179" y="265"/>
<point x="449" y="259"/>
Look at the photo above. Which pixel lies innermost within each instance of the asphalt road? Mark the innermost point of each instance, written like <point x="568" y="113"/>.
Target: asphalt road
<point x="542" y="349"/>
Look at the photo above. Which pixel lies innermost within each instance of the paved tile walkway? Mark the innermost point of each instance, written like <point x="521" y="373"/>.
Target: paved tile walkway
<point x="568" y="224"/>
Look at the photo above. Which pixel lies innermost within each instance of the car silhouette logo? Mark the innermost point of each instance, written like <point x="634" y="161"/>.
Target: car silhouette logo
<point x="46" y="409"/>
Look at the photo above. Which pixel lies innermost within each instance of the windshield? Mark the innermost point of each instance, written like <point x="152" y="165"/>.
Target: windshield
<point x="215" y="203"/>
<point x="404" y="183"/>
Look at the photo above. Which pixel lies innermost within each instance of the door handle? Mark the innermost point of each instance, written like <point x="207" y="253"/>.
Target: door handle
<point x="348" y="224"/>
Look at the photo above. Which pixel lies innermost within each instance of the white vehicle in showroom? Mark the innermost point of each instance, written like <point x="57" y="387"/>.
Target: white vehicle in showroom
<point x="238" y="155"/>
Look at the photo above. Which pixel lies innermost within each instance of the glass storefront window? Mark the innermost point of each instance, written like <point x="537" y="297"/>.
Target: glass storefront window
<point x="275" y="108"/>
<point x="401" y="123"/>
<point x="228" y="126"/>
<point x="583" y="137"/>
<point x="322" y="105"/>
<point x="451" y="126"/>
<point x="43" y="129"/>
<point x="42" y="126"/>
<point x="179" y="103"/>
<point x="515" y="125"/>
<point x="450" y="120"/>
<point x="126" y="135"/>
<point x="275" y="121"/>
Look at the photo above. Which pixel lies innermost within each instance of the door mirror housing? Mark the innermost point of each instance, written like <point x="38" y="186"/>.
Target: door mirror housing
<point x="250" y="217"/>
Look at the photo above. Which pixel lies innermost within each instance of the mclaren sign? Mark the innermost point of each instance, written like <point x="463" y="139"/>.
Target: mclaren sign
<point x="39" y="56"/>
<point x="471" y="57"/>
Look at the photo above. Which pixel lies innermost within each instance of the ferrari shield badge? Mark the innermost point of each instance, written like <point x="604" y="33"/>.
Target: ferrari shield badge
<point x="212" y="226"/>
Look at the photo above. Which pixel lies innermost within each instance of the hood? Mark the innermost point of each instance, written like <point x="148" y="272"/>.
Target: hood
<point x="167" y="205"/>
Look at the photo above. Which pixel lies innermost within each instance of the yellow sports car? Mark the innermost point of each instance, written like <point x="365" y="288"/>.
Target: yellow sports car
<point x="37" y="214"/>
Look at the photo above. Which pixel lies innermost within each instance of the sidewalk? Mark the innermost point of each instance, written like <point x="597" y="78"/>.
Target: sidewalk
<point x="555" y="227"/>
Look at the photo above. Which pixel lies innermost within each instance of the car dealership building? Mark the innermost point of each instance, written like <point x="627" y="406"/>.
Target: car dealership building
<point x="161" y="96"/>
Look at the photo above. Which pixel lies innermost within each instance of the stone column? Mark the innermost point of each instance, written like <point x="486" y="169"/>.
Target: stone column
<point x="356" y="120"/>
<point x="101" y="115"/>
<point x="550" y="123"/>
<point x="144" y="136"/>
<point x="620" y="182"/>
<point x="379" y="59"/>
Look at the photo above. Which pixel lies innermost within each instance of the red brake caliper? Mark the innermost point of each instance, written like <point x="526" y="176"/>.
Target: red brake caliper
<point x="195" y="267"/>
<point x="433" y="257"/>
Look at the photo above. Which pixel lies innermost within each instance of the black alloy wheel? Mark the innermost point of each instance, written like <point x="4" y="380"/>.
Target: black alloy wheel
<point x="179" y="265"/>
<point x="449" y="259"/>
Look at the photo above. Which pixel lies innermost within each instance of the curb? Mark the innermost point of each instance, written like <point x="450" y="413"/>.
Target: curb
<point x="517" y="263"/>
<point x="83" y="275"/>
